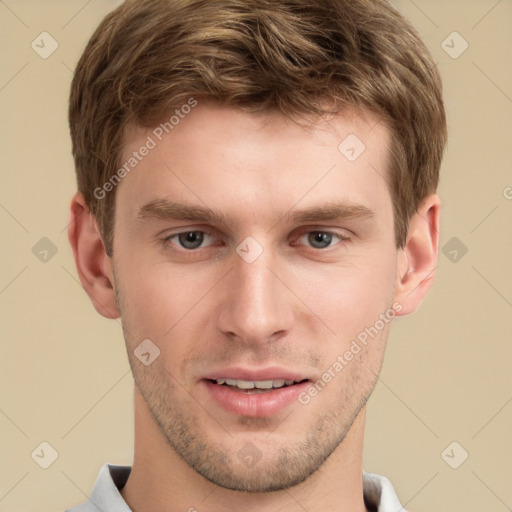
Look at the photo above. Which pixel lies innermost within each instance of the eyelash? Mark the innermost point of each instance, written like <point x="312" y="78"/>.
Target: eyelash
<point x="168" y="239"/>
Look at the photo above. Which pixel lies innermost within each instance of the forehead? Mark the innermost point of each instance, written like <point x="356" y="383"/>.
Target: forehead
<point x="211" y="122"/>
<point x="228" y="159"/>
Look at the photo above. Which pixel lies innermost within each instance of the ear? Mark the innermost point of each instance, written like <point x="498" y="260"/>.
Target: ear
<point x="417" y="261"/>
<point x="92" y="263"/>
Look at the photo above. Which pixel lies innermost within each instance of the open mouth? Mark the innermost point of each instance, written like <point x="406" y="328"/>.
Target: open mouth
<point x="255" y="386"/>
<point x="271" y="391"/>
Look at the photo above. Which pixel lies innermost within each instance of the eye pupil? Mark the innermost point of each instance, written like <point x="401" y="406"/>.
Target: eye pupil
<point x="191" y="240"/>
<point x="319" y="239"/>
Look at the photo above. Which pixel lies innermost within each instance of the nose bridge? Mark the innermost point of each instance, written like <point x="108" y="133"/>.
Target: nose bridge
<point x="257" y="305"/>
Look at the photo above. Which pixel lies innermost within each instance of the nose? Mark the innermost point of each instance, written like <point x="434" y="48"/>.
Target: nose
<point x="257" y="307"/>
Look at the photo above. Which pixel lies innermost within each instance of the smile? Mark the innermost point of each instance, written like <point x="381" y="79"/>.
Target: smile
<point x="255" y="386"/>
<point x="254" y="394"/>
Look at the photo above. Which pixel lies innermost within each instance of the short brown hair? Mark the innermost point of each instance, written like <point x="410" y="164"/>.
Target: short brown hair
<point x="149" y="57"/>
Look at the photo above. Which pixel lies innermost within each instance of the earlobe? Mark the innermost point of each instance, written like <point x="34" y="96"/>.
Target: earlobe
<point x="417" y="261"/>
<point x="93" y="265"/>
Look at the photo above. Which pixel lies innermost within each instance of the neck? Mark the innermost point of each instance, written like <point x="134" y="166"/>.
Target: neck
<point x="161" y="480"/>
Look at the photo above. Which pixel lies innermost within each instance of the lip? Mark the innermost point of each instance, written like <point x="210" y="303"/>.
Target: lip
<point x="254" y="404"/>
<point x="271" y="373"/>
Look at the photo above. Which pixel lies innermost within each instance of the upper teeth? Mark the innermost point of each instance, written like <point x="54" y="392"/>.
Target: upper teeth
<point x="260" y="384"/>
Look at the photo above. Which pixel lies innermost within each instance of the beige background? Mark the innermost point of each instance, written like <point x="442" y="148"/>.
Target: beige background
<point x="64" y="375"/>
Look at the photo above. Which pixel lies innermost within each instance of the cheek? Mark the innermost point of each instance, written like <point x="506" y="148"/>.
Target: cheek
<point x="153" y="299"/>
<point x="166" y="304"/>
<point x="351" y="297"/>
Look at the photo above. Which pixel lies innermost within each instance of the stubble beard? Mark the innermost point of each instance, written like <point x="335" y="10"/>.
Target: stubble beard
<point x="285" y="465"/>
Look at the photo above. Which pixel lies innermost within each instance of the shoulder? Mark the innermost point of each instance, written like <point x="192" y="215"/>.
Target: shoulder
<point x="105" y="495"/>
<point x="379" y="493"/>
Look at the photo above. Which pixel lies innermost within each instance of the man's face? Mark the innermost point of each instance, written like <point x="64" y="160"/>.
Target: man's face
<point x="276" y="288"/>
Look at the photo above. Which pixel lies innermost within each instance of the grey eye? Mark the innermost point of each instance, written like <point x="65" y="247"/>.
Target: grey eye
<point x="319" y="239"/>
<point x="191" y="240"/>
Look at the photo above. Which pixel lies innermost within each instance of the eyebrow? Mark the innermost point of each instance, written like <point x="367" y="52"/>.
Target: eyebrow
<point x="165" y="210"/>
